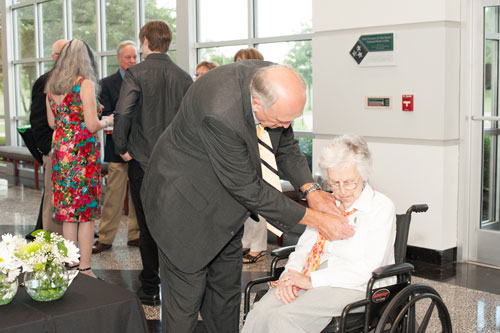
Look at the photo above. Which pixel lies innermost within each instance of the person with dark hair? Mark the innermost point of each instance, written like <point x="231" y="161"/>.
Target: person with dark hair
<point x="246" y="54"/>
<point x="116" y="185"/>
<point x="204" y="67"/>
<point x="215" y="165"/>
<point x="42" y="133"/>
<point x="150" y="96"/>
<point x="73" y="111"/>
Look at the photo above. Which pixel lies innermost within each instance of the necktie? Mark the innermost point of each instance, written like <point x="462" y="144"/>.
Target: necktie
<point x="313" y="258"/>
<point x="268" y="166"/>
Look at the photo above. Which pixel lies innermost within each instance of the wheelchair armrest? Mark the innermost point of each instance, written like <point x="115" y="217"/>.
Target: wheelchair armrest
<point x="283" y="252"/>
<point x="392" y="270"/>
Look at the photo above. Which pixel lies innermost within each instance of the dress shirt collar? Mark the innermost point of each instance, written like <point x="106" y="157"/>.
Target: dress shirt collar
<point x="257" y="122"/>
<point x="364" y="202"/>
<point x="122" y="73"/>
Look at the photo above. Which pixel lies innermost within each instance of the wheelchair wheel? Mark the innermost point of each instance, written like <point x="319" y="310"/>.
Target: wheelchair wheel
<point x="416" y="308"/>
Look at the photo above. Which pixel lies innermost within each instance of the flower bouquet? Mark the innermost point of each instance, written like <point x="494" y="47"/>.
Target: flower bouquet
<point x="9" y="267"/>
<point x="43" y="260"/>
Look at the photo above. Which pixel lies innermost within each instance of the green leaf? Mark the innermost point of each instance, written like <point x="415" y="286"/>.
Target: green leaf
<point x="62" y="248"/>
<point x="38" y="232"/>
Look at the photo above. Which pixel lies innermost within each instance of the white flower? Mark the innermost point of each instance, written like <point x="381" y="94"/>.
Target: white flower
<point x="73" y="254"/>
<point x="9" y="263"/>
<point x="47" y="250"/>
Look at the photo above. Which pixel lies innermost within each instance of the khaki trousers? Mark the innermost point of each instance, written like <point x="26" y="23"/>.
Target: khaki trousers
<point x="255" y="235"/>
<point x="49" y="223"/>
<point x="116" y="188"/>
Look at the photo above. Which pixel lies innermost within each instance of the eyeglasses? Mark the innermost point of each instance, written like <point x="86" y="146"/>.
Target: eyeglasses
<point x="347" y="185"/>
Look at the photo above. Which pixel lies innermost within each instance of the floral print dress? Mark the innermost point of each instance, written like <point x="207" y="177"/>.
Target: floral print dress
<point x="76" y="162"/>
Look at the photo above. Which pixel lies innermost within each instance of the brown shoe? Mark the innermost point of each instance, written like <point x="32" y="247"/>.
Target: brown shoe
<point x="133" y="242"/>
<point x="99" y="247"/>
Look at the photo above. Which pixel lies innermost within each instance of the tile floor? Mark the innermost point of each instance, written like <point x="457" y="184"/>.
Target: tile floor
<point x="471" y="292"/>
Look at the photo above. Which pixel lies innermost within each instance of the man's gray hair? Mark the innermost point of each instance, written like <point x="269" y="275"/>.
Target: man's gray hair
<point x="123" y="44"/>
<point x="347" y="149"/>
<point x="262" y="88"/>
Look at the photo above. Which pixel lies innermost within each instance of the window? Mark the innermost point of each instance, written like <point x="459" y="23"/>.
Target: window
<point x="2" y="102"/>
<point x="37" y="24"/>
<point x="280" y="29"/>
<point x="490" y="199"/>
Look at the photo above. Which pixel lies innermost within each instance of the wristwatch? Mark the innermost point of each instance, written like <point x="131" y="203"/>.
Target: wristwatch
<point x="310" y="188"/>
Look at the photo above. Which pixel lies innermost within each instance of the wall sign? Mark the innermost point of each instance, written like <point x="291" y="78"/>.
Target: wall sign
<point x="374" y="50"/>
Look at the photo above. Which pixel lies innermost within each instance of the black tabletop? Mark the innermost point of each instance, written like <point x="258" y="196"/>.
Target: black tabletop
<point x="89" y="305"/>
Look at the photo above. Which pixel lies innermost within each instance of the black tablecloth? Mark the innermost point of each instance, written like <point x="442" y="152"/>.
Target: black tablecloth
<point x="89" y="305"/>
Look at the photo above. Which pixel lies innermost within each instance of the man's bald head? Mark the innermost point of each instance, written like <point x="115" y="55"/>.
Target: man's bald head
<point x="57" y="47"/>
<point x="278" y="95"/>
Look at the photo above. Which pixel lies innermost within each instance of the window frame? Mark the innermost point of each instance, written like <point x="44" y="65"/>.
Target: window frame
<point x="251" y="41"/>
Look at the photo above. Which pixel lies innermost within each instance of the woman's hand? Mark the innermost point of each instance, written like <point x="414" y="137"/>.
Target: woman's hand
<point x="286" y="294"/>
<point x="294" y="278"/>
<point x="110" y="119"/>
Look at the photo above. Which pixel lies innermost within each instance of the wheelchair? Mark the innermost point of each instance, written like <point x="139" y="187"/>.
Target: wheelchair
<point x="401" y="307"/>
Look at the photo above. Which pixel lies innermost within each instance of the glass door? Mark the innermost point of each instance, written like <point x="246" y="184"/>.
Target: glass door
<point x="485" y="218"/>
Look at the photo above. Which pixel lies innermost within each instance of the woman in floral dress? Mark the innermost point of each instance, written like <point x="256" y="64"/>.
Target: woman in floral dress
<point x="73" y="112"/>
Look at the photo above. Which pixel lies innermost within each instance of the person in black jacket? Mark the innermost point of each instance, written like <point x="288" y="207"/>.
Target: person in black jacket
<point x="43" y="138"/>
<point x="116" y="184"/>
<point x="150" y="96"/>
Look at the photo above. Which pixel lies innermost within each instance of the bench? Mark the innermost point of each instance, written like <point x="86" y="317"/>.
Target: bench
<point x="15" y="155"/>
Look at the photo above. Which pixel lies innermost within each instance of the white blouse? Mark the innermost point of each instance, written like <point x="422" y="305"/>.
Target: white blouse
<point x="350" y="262"/>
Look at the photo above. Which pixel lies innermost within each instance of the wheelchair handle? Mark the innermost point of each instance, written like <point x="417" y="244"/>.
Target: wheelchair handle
<point x="417" y="209"/>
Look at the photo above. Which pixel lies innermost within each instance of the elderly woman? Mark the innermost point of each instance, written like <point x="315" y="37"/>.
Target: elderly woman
<point x="321" y="277"/>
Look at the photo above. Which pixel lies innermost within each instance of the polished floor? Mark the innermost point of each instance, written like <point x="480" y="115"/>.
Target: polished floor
<point x="471" y="292"/>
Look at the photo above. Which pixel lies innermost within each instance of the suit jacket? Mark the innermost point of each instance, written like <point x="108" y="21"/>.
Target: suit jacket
<point x="110" y="92"/>
<point x="42" y="132"/>
<point x="204" y="174"/>
<point x="149" y="99"/>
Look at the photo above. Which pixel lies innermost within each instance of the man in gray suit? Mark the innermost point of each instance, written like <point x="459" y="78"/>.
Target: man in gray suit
<point x="204" y="179"/>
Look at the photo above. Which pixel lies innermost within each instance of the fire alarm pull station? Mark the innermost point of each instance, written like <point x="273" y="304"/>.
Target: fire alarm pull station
<point x="407" y="102"/>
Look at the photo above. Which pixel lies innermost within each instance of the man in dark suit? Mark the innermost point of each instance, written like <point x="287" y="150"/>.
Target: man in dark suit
<point x="42" y="134"/>
<point x="116" y="185"/>
<point x="204" y="179"/>
<point x="149" y="99"/>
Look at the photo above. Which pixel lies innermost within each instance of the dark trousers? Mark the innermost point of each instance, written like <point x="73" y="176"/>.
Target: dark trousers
<point x="39" y="224"/>
<point x="215" y="291"/>
<point x="149" y="251"/>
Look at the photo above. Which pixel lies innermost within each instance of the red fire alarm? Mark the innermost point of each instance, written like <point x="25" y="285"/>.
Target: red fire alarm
<point x="407" y="102"/>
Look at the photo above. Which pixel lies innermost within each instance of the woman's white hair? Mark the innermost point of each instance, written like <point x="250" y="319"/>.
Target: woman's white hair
<point x="76" y="60"/>
<point x="347" y="149"/>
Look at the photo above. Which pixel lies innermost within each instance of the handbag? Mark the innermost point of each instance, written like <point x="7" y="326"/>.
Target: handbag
<point x="29" y="140"/>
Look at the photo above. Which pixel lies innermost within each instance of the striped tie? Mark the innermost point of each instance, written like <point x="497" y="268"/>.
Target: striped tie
<point x="268" y="166"/>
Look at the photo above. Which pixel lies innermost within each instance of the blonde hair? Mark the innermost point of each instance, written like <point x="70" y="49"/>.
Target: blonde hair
<point x="208" y="64"/>
<point x="76" y="60"/>
<point x="250" y="53"/>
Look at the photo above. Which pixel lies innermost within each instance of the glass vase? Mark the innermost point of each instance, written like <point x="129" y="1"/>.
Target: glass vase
<point x="8" y="288"/>
<point x="48" y="284"/>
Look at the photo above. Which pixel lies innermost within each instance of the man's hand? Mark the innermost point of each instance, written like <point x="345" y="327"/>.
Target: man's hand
<point x="332" y="227"/>
<point x="323" y="201"/>
<point x="335" y="227"/>
<point x="126" y="157"/>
